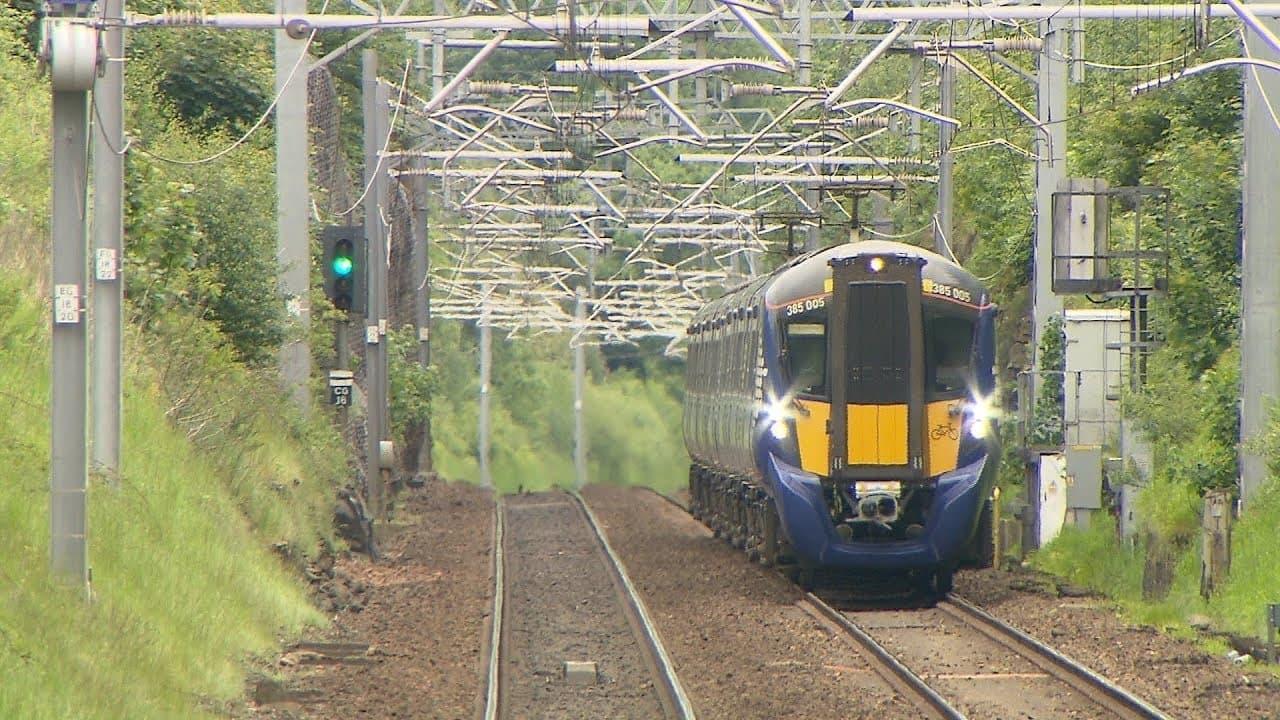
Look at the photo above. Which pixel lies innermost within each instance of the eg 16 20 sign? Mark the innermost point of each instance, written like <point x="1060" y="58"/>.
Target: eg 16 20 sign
<point x="340" y="384"/>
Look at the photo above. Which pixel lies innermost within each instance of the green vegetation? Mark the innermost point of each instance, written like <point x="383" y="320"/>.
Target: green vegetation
<point x="632" y="415"/>
<point x="195" y="545"/>
<point x="1187" y="138"/>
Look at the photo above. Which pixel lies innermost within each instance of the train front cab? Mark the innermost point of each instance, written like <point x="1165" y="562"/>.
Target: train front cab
<point x="887" y="376"/>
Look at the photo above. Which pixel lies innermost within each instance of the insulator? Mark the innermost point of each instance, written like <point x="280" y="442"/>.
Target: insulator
<point x="490" y="87"/>
<point x="626" y="114"/>
<point x="183" y="18"/>
<point x="866" y="123"/>
<point x="753" y="90"/>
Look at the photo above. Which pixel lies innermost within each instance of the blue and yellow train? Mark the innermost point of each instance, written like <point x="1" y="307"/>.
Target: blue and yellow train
<point x="838" y="414"/>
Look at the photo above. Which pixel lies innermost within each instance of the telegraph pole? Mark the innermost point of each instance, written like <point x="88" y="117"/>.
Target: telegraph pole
<point x="72" y="57"/>
<point x="375" y="178"/>
<point x="108" y="247"/>
<point x="1260" y="293"/>
<point x="293" y="238"/>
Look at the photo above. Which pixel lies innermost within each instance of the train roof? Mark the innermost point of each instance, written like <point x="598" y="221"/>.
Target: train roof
<point x="806" y="276"/>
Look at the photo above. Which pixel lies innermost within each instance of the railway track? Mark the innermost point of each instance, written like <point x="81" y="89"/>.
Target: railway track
<point x="954" y="660"/>
<point x="569" y="635"/>
<point x="1018" y="676"/>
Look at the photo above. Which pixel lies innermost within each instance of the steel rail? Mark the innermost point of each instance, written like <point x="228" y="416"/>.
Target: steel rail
<point x="672" y="692"/>
<point x="898" y="675"/>
<point x="1092" y="685"/>
<point x="494" y="673"/>
<point x="1085" y="681"/>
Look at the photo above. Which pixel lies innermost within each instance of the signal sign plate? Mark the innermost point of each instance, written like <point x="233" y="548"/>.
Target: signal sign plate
<point x="340" y="384"/>
<point x="66" y="304"/>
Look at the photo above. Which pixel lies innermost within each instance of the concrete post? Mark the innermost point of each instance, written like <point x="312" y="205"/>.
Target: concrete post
<point x="1215" y="551"/>
<point x="293" y="238"/>
<point x="68" y="553"/>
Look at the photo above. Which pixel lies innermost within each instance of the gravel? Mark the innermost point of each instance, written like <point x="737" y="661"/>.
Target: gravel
<point x="425" y="608"/>
<point x="563" y="606"/>
<point x="741" y="646"/>
<point x="1173" y="674"/>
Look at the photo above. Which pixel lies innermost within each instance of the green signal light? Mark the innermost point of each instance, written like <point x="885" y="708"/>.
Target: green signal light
<point x="342" y="266"/>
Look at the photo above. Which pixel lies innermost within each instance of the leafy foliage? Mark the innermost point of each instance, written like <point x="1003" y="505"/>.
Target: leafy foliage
<point x="1047" y="420"/>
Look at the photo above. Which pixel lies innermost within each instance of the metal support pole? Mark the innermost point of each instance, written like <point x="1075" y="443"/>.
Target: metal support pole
<point x="293" y="239"/>
<point x="1051" y="170"/>
<point x="420" y="74"/>
<point x="68" y="553"/>
<point x="421" y="266"/>
<point x="1260" y="293"/>
<point x="579" y="390"/>
<point x="375" y="133"/>
<point x="437" y="53"/>
<point x="946" y="161"/>
<point x="342" y="349"/>
<point x="804" y="77"/>
<point x="486" y="359"/>
<point x="700" y="81"/>
<point x="913" y="97"/>
<point x="672" y="90"/>
<point x="108" y="249"/>
<point x="422" y="293"/>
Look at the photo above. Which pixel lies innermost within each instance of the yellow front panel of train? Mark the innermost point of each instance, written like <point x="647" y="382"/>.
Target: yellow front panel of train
<point x="892" y="427"/>
<point x="811" y="435"/>
<point x="864" y="435"/>
<point x="942" y="444"/>
<point x="877" y="435"/>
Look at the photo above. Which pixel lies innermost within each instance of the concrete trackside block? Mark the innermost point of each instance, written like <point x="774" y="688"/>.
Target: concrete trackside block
<point x="580" y="673"/>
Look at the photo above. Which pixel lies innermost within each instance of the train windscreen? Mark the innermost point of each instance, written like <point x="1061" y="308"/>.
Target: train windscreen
<point x="948" y="354"/>
<point x="807" y="354"/>
<point x="878" y="354"/>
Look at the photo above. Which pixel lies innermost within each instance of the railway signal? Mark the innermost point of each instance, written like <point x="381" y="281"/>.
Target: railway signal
<point x="344" y="267"/>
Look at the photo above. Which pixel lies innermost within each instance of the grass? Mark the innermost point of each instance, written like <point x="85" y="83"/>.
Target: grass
<point x="187" y="589"/>
<point x="1095" y="559"/>
<point x="185" y="585"/>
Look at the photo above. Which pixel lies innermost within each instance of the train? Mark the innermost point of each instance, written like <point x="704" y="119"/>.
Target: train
<point x="840" y="415"/>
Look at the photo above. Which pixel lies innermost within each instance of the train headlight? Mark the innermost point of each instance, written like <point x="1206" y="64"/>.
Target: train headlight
<point x="876" y="264"/>
<point x="983" y="413"/>
<point x="778" y="415"/>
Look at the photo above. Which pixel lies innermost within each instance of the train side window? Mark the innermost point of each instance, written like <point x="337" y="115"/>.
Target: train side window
<point x="807" y="357"/>
<point x="948" y="347"/>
